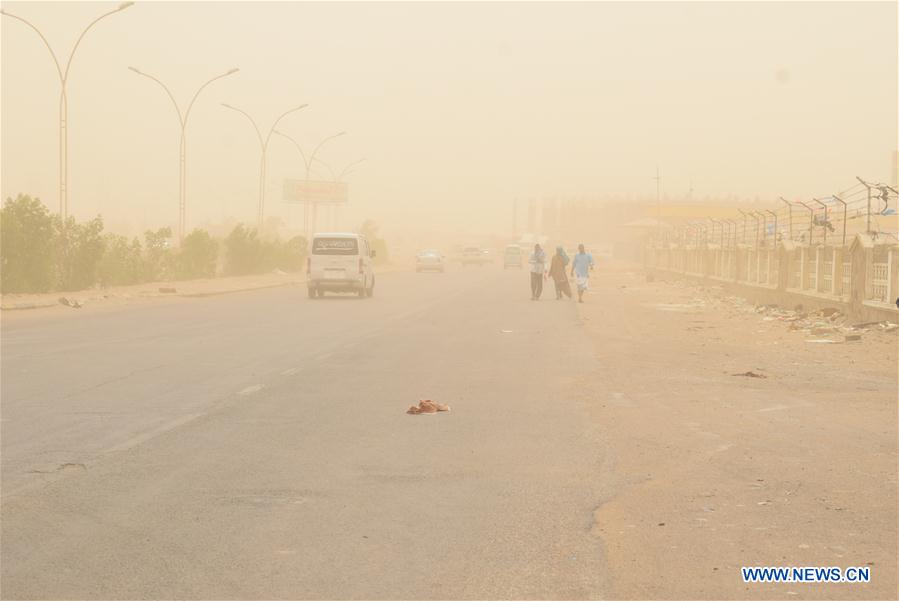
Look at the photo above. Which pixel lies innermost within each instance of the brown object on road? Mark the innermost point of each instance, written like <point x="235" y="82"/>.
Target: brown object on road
<point x="427" y="406"/>
<point x="750" y="374"/>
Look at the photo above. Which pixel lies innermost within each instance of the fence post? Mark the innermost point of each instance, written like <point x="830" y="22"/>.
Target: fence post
<point x="819" y="269"/>
<point x="802" y="260"/>
<point x="861" y="257"/>
<point x="890" y="298"/>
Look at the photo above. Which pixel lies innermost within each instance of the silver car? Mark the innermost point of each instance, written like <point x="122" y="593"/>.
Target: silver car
<point x="429" y="260"/>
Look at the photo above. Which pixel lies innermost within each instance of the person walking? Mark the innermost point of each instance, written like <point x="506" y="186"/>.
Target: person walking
<point x="557" y="267"/>
<point x="580" y="269"/>
<point x="538" y="269"/>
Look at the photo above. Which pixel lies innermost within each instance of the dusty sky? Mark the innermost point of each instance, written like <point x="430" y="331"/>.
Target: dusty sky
<point x="458" y="107"/>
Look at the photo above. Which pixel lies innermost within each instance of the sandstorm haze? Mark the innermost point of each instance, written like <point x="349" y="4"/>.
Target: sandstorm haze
<point x="459" y="108"/>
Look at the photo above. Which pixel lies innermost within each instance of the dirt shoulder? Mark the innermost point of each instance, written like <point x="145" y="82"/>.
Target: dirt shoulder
<point x="711" y="471"/>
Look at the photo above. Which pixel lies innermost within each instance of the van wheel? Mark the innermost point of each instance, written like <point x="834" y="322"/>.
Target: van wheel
<point x="312" y="292"/>
<point x="361" y="292"/>
<point x="371" y="290"/>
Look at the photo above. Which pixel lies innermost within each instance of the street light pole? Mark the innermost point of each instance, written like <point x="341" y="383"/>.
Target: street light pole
<point x="182" y="120"/>
<point x="307" y="163"/>
<point x="348" y="169"/>
<point x="263" y="144"/>
<point x="64" y="101"/>
<point x="311" y="159"/>
<point x="333" y="212"/>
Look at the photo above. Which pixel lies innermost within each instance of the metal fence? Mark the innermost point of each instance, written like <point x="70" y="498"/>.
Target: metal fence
<point x="803" y="247"/>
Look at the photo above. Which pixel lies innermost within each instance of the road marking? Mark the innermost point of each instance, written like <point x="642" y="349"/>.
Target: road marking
<point x="251" y="389"/>
<point x="775" y="408"/>
<point x="136" y="440"/>
<point x="323" y="356"/>
<point x="290" y="372"/>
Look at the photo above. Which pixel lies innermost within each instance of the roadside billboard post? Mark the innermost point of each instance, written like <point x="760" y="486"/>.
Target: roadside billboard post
<point x="313" y="192"/>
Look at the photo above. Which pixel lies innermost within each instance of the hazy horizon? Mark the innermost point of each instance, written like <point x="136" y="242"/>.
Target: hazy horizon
<point x="459" y="108"/>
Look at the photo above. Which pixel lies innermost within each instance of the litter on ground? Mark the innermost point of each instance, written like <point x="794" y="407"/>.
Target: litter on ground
<point x="751" y="374"/>
<point x="427" y="406"/>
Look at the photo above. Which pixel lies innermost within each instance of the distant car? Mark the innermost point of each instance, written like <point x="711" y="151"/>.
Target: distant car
<point x="429" y="260"/>
<point x="513" y="257"/>
<point x="340" y="263"/>
<point x="472" y="255"/>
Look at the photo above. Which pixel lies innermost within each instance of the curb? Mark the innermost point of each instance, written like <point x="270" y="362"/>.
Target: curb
<point x="222" y="292"/>
<point x="27" y="306"/>
<point x="49" y="304"/>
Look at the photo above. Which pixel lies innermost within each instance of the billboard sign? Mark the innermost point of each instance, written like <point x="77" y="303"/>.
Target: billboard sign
<point x="300" y="190"/>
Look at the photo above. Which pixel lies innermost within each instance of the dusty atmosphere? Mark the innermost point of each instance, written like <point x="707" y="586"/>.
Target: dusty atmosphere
<point x="449" y="300"/>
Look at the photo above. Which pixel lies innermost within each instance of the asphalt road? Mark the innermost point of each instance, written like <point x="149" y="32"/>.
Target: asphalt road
<point x="256" y="446"/>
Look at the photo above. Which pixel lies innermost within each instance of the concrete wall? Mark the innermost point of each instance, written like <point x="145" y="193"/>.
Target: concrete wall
<point x="861" y="279"/>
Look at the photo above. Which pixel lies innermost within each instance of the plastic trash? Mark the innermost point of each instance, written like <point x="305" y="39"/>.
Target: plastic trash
<point x="427" y="406"/>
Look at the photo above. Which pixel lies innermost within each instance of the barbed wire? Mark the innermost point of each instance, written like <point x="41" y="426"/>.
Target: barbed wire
<point x="836" y="215"/>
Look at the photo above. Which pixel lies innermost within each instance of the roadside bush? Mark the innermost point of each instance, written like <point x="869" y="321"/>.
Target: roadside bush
<point x="158" y="254"/>
<point x="122" y="261"/>
<point x="292" y="254"/>
<point x="28" y="248"/>
<point x="197" y="256"/>
<point x="81" y="249"/>
<point x="243" y="251"/>
<point x="40" y="253"/>
<point x="246" y="253"/>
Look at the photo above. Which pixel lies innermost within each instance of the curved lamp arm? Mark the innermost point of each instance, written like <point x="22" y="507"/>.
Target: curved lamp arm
<point x="120" y="8"/>
<point x="346" y="170"/>
<point x="298" y="147"/>
<point x="43" y="39"/>
<point x="194" y="99"/>
<point x="284" y="114"/>
<point x="167" y="91"/>
<point x="247" y="115"/>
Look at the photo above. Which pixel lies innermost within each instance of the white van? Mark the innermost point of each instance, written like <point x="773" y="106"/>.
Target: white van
<point x="340" y="263"/>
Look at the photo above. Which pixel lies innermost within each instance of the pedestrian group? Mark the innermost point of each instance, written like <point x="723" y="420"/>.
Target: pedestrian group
<point x="558" y="270"/>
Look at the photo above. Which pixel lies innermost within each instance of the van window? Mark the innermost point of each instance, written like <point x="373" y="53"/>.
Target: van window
<point x="335" y="246"/>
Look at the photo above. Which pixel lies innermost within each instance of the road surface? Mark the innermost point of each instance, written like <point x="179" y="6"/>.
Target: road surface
<point x="256" y="446"/>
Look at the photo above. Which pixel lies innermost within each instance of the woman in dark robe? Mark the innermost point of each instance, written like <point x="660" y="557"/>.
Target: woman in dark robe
<point x="557" y="272"/>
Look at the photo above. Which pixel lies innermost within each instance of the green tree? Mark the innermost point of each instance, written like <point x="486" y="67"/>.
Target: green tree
<point x="158" y="254"/>
<point x="81" y="247"/>
<point x="122" y="262"/>
<point x="197" y="256"/>
<point x="28" y="249"/>
<point x="292" y="254"/>
<point x="243" y="251"/>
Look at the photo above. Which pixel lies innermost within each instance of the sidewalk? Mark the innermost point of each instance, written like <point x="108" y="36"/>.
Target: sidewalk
<point x="168" y="289"/>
